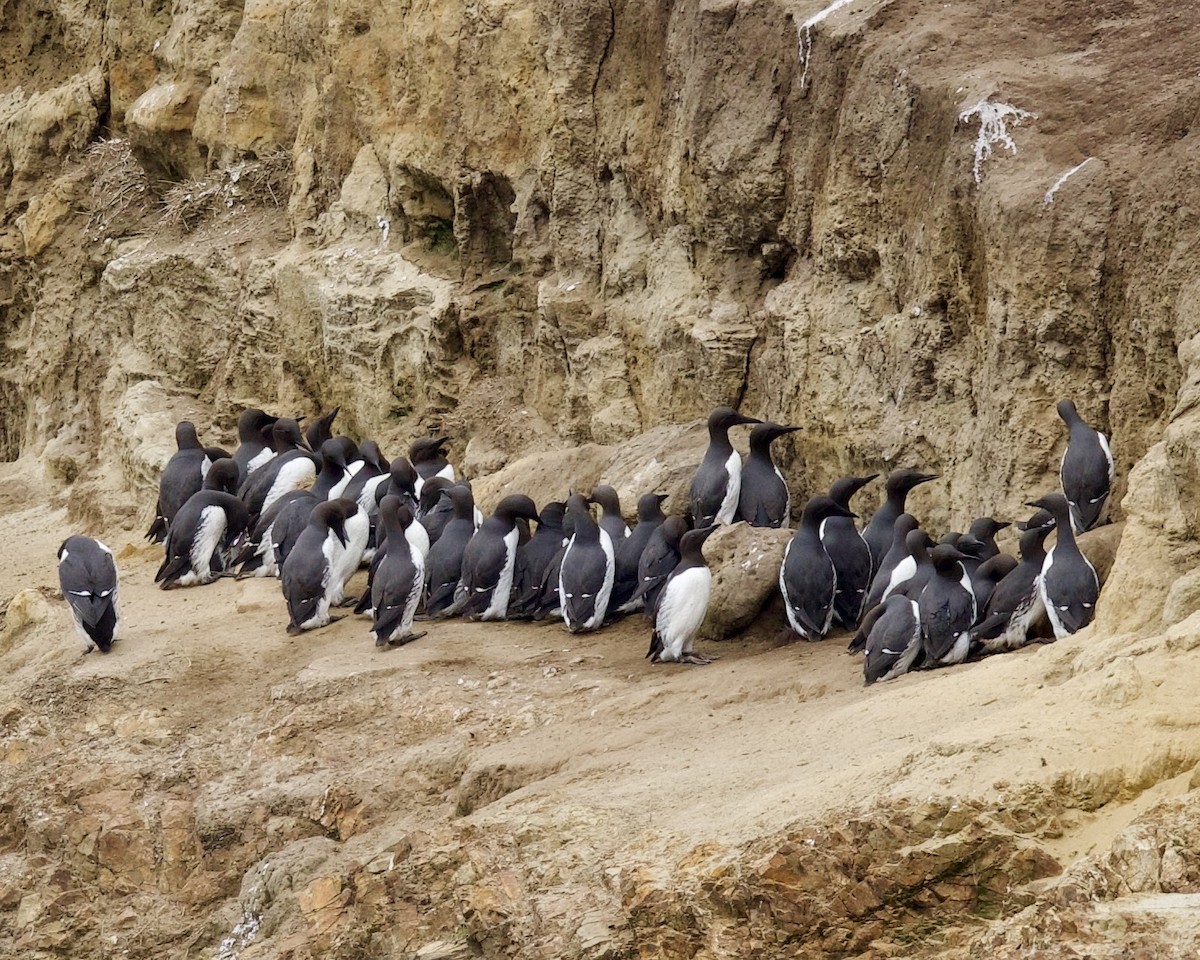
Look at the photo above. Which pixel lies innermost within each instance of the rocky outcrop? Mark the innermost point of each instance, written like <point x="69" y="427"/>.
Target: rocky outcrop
<point x="723" y="205"/>
<point x="562" y="232"/>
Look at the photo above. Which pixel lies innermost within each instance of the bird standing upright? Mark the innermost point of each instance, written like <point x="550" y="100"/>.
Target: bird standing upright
<point x="683" y="604"/>
<point x="717" y="484"/>
<point x="764" y="500"/>
<point x="1087" y="469"/>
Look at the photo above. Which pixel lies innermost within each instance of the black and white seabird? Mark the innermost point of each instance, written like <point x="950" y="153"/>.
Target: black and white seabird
<point x="353" y="463"/>
<point x="375" y="466"/>
<point x="1087" y="469"/>
<point x="428" y="456"/>
<point x="894" y="642"/>
<point x="402" y="482"/>
<point x="915" y="570"/>
<point x="987" y="577"/>
<point x="1015" y="607"/>
<point x="1068" y="584"/>
<point x="535" y="556"/>
<point x="764" y="500"/>
<point x="659" y="558"/>
<point x="87" y="574"/>
<point x="984" y="529"/>
<point x="397" y="583"/>
<point x="543" y="600"/>
<point x="355" y="527"/>
<point x="332" y="472"/>
<point x="320" y="430"/>
<point x="443" y="566"/>
<point x="181" y="477"/>
<point x="588" y="570"/>
<point x="253" y="449"/>
<point x="807" y="579"/>
<point x="886" y="566"/>
<point x="291" y="467"/>
<point x="717" y="484"/>
<point x="307" y="576"/>
<point x="683" y="604"/>
<point x="629" y="550"/>
<point x="606" y="498"/>
<point x="364" y="489"/>
<point x="490" y="559"/>
<point x="415" y="536"/>
<point x="203" y="530"/>
<point x="878" y="533"/>
<point x="849" y="552"/>
<point x="434" y="509"/>
<point x="947" y="609"/>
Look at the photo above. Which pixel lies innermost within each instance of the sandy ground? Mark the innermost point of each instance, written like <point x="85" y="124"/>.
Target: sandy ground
<point x="513" y="725"/>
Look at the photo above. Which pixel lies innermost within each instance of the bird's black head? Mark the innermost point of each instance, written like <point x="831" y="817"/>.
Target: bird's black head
<point x="251" y="423"/>
<point x="517" y="505"/>
<point x="692" y="542"/>
<point x="764" y="434"/>
<point x="321" y="429"/>
<point x="552" y="515"/>
<point x="463" y="500"/>
<point x="371" y="453"/>
<point x="431" y="491"/>
<point x="721" y="419"/>
<point x="822" y="507"/>
<point x="1041" y="518"/>
<point x="223" y="475"/>
<point x="605" y="497"/>
<point x="1056" y="505"/>
<point x="985" y="528"/>
<point x="186" y="437"/>
<point x="971" y="546"/>
<point x="918" y="541"/>
<point x="425" y="449"/>
<point x="673" y="529"/>
<point x="1034" y="538"/>
<point x="395" y="512"/>
<point x="1066" y="410"/>
<point x="302" y="609"/>
<point x="846" y="487"/>
<point x="904" y="479"/>
<point x="650" y="506"/>
<point x="285" y="433"/>
<point x="947" y="559"/>
<point x="404" y="477"/>
<point x="333" y="453"/>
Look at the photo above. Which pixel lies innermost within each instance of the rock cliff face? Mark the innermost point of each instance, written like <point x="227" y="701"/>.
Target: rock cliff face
<point x="909" y="228"/>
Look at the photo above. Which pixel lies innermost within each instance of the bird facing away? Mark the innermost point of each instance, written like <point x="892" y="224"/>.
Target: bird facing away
<point x="849" y="552"/>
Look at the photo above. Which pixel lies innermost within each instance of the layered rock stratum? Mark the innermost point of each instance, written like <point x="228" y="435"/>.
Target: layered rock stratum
<point x="561" y="232"/>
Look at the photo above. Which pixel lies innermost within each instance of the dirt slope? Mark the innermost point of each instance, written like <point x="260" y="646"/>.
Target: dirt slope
<point x="216" y="788"/>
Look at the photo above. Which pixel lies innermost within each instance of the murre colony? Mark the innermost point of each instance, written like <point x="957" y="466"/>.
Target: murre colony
<point x="312" y="508"/>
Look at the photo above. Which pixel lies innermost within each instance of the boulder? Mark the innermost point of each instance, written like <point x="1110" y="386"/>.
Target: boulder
<point x="745" y="561"/>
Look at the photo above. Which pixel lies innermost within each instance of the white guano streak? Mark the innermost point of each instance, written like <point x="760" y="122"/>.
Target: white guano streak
<point x="1049" y="198"/>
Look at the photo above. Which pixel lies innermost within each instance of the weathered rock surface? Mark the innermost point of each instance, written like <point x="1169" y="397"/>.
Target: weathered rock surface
<point x="562" y="232"/>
